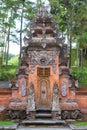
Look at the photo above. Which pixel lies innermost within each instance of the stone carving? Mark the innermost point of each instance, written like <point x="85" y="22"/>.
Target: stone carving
<point x="76" y="84"/>
<point x="18" y="100"/>
<point x="42" y="12"/>
<point x="14" y="83"/>
<point x="63" y="89"/>
<point x="43" y="59"/>
<point x="23" y="88"/>
<point x="55" y="103"/>
<point x="31" y="102"/>
<point x="23" y="70"/>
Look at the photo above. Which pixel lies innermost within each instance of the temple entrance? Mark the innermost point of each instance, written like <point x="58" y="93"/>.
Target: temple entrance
<point x="44" y="89"/>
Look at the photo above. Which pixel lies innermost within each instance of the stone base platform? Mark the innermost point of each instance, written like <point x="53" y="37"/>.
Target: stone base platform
<point x="43" y="122"/>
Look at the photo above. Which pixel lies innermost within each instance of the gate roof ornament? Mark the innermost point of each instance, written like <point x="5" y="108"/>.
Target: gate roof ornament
<point x="41" y="29"/>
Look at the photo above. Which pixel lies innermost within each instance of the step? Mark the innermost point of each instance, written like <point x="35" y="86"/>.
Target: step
<point x="43" y="122"/>
<point x="42" y="115"/>
<point x="43" y="109"/>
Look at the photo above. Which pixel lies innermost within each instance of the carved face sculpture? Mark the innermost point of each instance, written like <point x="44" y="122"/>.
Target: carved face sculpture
<point x="43" y="61"/>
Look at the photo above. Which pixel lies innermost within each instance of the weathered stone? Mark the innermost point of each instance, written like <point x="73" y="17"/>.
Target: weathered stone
<point x="31" y="100"/>
<point x="23" y="88"/>
<point x="63" y="88"/>
<point x="55" y="103"/>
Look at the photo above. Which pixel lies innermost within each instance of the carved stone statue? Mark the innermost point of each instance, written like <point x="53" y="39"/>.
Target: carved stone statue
<point x="55" y="103"/>
<point x="31" y="102"/>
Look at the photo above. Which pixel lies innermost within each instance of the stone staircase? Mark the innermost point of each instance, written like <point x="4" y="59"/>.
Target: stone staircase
<point x="43" y="116"/>
<point x="43" y="113"/>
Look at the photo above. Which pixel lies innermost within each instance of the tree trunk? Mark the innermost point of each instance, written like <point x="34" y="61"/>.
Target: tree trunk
<point x="81" y="58"/>
<point x="7" y="53"/>
<point x="77" y="55"/>
<point x="21" y="28"/>
<point x="70" y="53"/>
<point x="69" y="38"/>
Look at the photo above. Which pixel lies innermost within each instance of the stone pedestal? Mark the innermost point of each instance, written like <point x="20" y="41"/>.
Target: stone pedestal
<point x="31" y="115"/>
<point x="56" y="114"/>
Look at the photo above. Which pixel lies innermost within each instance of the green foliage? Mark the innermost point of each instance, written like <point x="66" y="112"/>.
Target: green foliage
<point x="10" y="72"/>
<point x="13" y="60"/>
<point x="11" y="12"/>
<point x="1" y="44"/>
<point x="80" y="123"/>
<point x="78" y="72"/>
<point x="73" y="61"/>
<point x="6" y="123"/>
<point x="71" y="16"/>
<point x="83" y="40"/>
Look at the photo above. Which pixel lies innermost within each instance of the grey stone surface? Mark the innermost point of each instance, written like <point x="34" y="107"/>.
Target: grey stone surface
<point x="63" y="88"/>
<point x="31" y="101"/>
<point x="13" y="127"/>
<point x="43" y="109"/>
<point x="43" y="122"/>
<point x="73" y="127"/>
<point x="4" y="84"/>
<point x="55" y="103"/>
<point x="2" y="108"/>
<point x="45" y="128"/>
<point x="23" y="90"/>
<point x="44" y="115"/>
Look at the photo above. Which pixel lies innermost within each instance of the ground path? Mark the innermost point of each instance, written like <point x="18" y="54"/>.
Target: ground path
<point x="43" y="128"/>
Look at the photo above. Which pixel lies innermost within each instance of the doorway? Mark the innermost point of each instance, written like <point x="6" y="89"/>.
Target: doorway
<point x="44" y="99"/>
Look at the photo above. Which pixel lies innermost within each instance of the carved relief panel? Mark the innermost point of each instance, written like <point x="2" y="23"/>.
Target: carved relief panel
<point x="23" y="88"/>
<point x="55" y="102"/>
<point x="64" y="88"/>
<point x="43" y="59"/>
<point x="31" y="102"/>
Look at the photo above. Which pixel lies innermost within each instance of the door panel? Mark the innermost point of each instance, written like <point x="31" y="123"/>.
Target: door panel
<point x="44" y="93"/>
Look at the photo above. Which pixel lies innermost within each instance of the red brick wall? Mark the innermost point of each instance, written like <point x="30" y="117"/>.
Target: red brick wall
<point x="81" y="96"/>
<point x="5" y="95"/>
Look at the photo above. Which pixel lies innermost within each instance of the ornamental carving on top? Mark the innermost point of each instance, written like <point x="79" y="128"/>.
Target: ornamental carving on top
<point x="43" y="13"/>
<point x="42" y="58"/>
<point x="39" y="28"/>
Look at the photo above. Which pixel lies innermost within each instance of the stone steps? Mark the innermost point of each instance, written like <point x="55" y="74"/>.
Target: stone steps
<point x="43" y="109"/>
<point x="43" y="122"/>
<point x="43" y="115"/>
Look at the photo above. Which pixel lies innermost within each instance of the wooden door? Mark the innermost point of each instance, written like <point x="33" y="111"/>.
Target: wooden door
<point x="44" y="93"/>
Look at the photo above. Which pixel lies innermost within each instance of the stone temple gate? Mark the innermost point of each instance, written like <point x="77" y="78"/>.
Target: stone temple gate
<point x="43" y="86"/>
